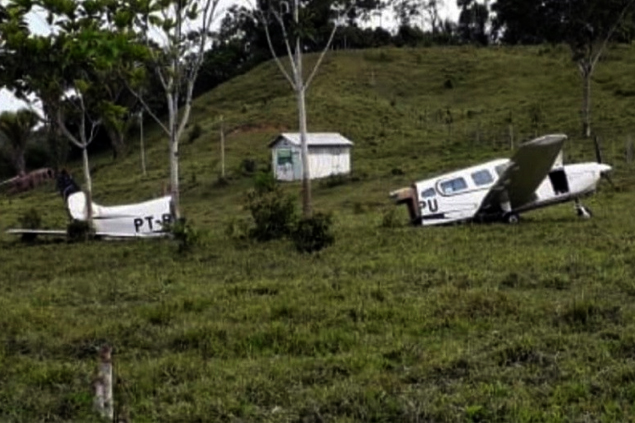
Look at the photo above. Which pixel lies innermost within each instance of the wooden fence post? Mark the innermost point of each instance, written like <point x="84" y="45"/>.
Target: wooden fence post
<point x="103" y="384"/>
<point x="222" y="147"/>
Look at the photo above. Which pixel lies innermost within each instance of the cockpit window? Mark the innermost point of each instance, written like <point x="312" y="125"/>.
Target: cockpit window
<point x="482" y="177"/>
<point x="454" y="185"/>
<point x="430" y="192"/>
<point x="501" y="168"/>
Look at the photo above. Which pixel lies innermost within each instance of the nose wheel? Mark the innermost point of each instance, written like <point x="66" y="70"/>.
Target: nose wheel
<point x="582" y="211"/>
<point x="511" y="218"/>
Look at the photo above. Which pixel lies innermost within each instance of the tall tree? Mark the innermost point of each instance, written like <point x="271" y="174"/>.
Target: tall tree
<point x="408" y="12"/>
<point x="75" y="59"/>
<point x="16" y="130"/>
<point x="586" y="26"/>
<point x="473" y="21"/>
<point x="184" y="30"/>
<point x="590" y="26"/>
<point x="294" y="32"/>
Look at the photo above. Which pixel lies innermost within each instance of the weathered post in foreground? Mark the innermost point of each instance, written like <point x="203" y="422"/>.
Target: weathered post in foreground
<point x="222" y="148"/>
<point x="103" y="384"/>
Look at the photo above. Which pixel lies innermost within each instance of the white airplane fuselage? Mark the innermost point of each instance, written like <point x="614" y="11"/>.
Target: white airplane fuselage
<point x="458" y="196"/>
<point x="144" y="219"/>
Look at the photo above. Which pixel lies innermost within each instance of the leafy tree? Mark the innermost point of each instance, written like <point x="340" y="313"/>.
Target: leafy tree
<point x="86" y="47"/>
<point x="590" y="25"/>
<point x="427" y="11"/>
<point x="294" y="32"/>
<point x="16" y="130"/>
<point x="586" y="26"/>
<point x="184" y="27"/>
<point x="473" y="22"/>
<point x="524" y="22"/>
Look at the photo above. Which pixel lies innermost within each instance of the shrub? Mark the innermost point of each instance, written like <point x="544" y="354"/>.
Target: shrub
<point x="237" y="229"/>
<point x="186" y="234"/>
<point x="273" y="212"/>
<point x="195" y="133"/>
<point x="314" y="233"/>
<point x="248" y="166"/>
<point x="79" y="231"/>
<point x="264" y="182"/>
<point x="221" y="181"/>
<point x="30" y="220"/>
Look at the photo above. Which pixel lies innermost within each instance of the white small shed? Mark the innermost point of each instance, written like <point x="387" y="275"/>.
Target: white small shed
<point x="329" y="154"/>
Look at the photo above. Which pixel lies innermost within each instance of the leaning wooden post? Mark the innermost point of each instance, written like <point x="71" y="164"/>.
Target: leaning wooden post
<point x="103" y="384"/>
<point x="222" y="148"/>
<point x="143" y="150"/>
<point x="510" y="122"/>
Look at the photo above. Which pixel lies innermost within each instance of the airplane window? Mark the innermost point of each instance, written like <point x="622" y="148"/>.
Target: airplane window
<point x="482" y="177"/>
<point x="430" y="192"/>
<point x="501" y="168"/>
<point x="453" y="185"/>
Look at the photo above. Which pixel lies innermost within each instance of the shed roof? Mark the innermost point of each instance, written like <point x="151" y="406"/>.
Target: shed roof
<point x="314" y="139"/>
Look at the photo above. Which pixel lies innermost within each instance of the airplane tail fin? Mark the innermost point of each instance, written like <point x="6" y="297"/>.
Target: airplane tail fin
<point x="66" y="185"/>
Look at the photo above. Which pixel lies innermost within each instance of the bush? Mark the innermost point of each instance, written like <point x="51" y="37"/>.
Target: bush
<point x="195" y="133"/>
<point x="237" y="229"/>
<point x="273" y="212"/>
<point x="37" y="156"/>
<point x="30" y="220"/>
<point x="248" y="166"/>
<point x="264" y="182"/>
<point x="313" y="234"/>
<point x="221" y="181"/>
<point x="186" y="235"/>
<point x="79" y="231"/>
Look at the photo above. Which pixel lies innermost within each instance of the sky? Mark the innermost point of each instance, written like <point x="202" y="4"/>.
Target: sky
<point x="38" y="25"/>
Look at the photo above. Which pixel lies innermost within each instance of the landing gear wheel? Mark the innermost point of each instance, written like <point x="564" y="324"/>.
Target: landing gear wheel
<point x="511" y="218"/>
<point x="584" y="212"/>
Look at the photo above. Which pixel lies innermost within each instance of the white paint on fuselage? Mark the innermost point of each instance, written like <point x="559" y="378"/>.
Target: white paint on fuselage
<point x="447" y="207"/>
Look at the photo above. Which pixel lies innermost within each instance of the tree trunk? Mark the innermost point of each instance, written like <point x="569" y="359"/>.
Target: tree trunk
<point x="174" y="177"/>
<point x="116" y="141"/>
<point x="586" y="99"/>
<point x="222" y="148"/>
<point x="511" y="136"/>
<point x="142" y="147"/>
<point x="173" y="114"/>
<point x="19" y="163"/>
<point x="306" y="174"/>
<point x="300" y="91"/>
<point x="89" y="188"/>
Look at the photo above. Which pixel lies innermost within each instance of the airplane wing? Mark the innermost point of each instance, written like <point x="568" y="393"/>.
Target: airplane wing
<point x="54" y="232"/>
<point x="63" y="233"/>
<point x="525" y="171"/>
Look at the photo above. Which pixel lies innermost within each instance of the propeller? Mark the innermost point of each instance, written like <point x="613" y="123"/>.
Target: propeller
<point x="598" y="158"/>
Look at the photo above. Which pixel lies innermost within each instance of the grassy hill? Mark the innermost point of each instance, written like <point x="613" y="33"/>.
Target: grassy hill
<point x="470" y="323"/>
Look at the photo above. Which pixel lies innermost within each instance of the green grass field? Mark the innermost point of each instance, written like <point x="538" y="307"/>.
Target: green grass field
<point x="526" y="323"/>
